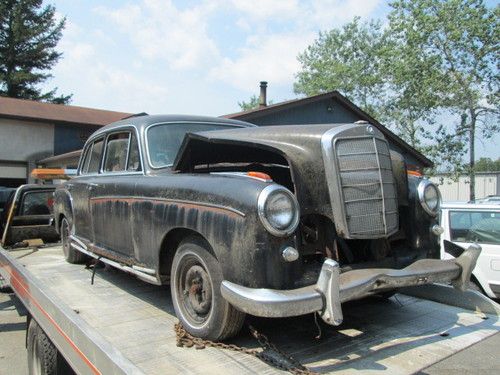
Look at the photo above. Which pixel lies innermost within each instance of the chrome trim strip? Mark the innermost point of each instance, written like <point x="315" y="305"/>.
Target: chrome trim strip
<point x="381" y="185"/>
<point x="142" y="275"/>
<point x="105" y="133"/>
<point x="169" y="200"/>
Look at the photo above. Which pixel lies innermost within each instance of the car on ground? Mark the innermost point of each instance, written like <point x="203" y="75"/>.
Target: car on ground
<point x="28" y="214"/>
<point x="490" y="199"/>
<point x="468" y="223"/>
<point x="271" y="221"/>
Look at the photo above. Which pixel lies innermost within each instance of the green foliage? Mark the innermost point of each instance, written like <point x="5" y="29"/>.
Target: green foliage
<point x="487" y="165"/>
<point x="252" y="103"/>
<point x="431" y="74"/>
<point x="348" y="60"/>
<point x="28" y="37"/>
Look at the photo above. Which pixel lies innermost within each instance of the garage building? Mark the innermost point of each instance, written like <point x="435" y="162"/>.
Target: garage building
<point x="30" y="131"/>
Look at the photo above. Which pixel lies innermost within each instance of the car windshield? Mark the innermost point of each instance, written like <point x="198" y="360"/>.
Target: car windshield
<point x="164" y="140"/>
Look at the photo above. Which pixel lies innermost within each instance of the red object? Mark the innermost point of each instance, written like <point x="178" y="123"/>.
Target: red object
<point x="261" y="175"/>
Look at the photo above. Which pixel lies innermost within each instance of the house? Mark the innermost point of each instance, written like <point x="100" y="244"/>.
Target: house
<point x="30" y="131"/>
<point x="328" y="108"/>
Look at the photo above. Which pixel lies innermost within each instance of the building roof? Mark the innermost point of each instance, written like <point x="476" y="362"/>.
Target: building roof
<point x="47" y="112"/>
<point x="273" y="108"/>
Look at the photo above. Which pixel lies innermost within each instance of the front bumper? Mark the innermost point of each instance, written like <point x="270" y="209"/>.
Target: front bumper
<point x="333" y="287"/>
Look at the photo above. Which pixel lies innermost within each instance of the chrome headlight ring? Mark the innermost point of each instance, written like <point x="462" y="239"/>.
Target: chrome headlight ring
<point x="272" y="191"/>
<point x="424" y="189"/>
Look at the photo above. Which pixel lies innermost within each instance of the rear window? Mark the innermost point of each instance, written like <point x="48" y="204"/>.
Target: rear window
<point x="475" y="226"/>
<point x="37" y="203"/>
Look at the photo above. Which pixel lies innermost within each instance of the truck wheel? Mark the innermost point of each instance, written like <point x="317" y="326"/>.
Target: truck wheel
<point x="195" y="285"/>
<point x="42" y="354"/>
<point x="71" y="255"/>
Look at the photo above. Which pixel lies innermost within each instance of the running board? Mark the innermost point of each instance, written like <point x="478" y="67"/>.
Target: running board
<point x="144" y="274"/>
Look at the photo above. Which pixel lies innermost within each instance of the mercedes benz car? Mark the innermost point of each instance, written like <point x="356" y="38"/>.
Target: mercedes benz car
<point x="272" y="221"/>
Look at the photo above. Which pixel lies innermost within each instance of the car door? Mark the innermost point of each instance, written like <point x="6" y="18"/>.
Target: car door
<point x="80" y="188"/>
<point x="30" y="215"/>
<point x="111" y="200"/>
<point x="480" y="226"/>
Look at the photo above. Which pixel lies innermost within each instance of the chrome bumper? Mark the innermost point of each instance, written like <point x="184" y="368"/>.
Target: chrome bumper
<point x="333" y="287"/>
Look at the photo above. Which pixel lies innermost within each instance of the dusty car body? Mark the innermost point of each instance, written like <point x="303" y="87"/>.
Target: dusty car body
<point x="28" y="214"/>
<point x="271" y="221"/>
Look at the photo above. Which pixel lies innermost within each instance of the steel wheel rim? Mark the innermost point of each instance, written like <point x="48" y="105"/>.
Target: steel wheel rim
<point x="194" y="290"/>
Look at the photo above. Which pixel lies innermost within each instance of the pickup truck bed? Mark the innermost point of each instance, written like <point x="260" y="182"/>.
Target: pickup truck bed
<point x="123" y="325"/>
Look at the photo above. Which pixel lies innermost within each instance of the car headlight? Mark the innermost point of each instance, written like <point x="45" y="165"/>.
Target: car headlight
<point x="429" y="196"/>
<point x="278" y="210"/>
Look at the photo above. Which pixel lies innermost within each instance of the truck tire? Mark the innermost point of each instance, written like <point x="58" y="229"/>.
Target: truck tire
<point x="195" y="282"/>
<point x="72" y="256"/>
<point x="42" y="354"/>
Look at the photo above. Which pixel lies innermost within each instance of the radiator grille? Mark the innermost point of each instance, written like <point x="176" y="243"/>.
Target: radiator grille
<point x="367" y="187"/>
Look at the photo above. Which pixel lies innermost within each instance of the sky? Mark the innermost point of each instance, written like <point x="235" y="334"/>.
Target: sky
<point x="194" y="57"/>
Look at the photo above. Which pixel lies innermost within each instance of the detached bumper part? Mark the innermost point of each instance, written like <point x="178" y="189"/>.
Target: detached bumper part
<point x="334" y="288"/>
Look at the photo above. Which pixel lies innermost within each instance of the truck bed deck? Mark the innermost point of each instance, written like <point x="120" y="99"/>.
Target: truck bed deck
<point x="135" y="321"/>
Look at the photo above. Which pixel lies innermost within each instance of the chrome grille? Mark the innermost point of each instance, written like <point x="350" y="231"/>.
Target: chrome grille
<point x="367" y="186"/>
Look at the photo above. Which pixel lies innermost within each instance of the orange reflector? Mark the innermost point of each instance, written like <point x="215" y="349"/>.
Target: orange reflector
<point x="261" y="175"/>
<point x="414" y="173"/>
<point x="49" y="173"/>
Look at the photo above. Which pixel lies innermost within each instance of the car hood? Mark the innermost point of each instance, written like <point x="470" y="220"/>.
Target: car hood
<point x="299" y="146"/>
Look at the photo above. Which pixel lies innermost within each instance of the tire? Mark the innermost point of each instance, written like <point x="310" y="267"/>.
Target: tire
<point x="42" y="354"/>
<point x="72" y="256"/>
<point x="195" y="281"/>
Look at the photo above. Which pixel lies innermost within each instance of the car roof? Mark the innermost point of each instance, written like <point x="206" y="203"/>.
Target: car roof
<point x="470" y="206"/>
<point x="144" y="121"/>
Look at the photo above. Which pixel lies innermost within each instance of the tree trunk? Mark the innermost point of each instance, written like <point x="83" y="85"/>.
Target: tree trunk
<point x="472" y="138"/>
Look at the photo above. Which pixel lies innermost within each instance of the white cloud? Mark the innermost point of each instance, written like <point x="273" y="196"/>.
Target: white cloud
<point x="264" y="9"/>
<point x="328" y="13"/>
<point x="161" y="31"/>
<point x="271" y="58"/>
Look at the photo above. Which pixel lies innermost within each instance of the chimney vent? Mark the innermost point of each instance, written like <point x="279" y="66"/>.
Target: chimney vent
<point x="263" y="94"/>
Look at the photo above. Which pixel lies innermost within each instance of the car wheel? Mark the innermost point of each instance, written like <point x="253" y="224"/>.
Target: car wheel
<point x="43" y="356"/>
<point x="71" y="255"/>
<point x="195" y="285"/>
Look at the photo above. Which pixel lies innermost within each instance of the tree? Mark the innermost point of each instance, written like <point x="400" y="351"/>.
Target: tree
<point x="448" y="53"/>
<point x="435" y="63"/>
<point x="487" y="165"/>
<point x="28" y="37"/>
<point x="349" y="60"/>
<point x="252" y="103"/>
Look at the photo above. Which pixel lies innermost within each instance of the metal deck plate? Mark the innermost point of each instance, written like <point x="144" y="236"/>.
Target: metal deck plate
<point x="402" y="334"/>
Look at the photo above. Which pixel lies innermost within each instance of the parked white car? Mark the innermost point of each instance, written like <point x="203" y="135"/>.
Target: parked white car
<point x="466" y="223"/>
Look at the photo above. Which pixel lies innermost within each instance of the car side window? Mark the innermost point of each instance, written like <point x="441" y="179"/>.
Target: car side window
<point x="116" y="152"/>
<point x="94" y="158"/>
<point x="134" y="158"/>
<point x="475" y="226"/>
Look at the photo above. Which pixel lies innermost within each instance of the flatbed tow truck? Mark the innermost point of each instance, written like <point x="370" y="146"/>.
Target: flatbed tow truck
<point x="121" y="325"/>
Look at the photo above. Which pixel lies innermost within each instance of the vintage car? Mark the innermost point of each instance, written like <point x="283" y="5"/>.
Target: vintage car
<point x="468" y="223"/>
<point x="28" y="214"/>
<point x="272" y="221"/>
